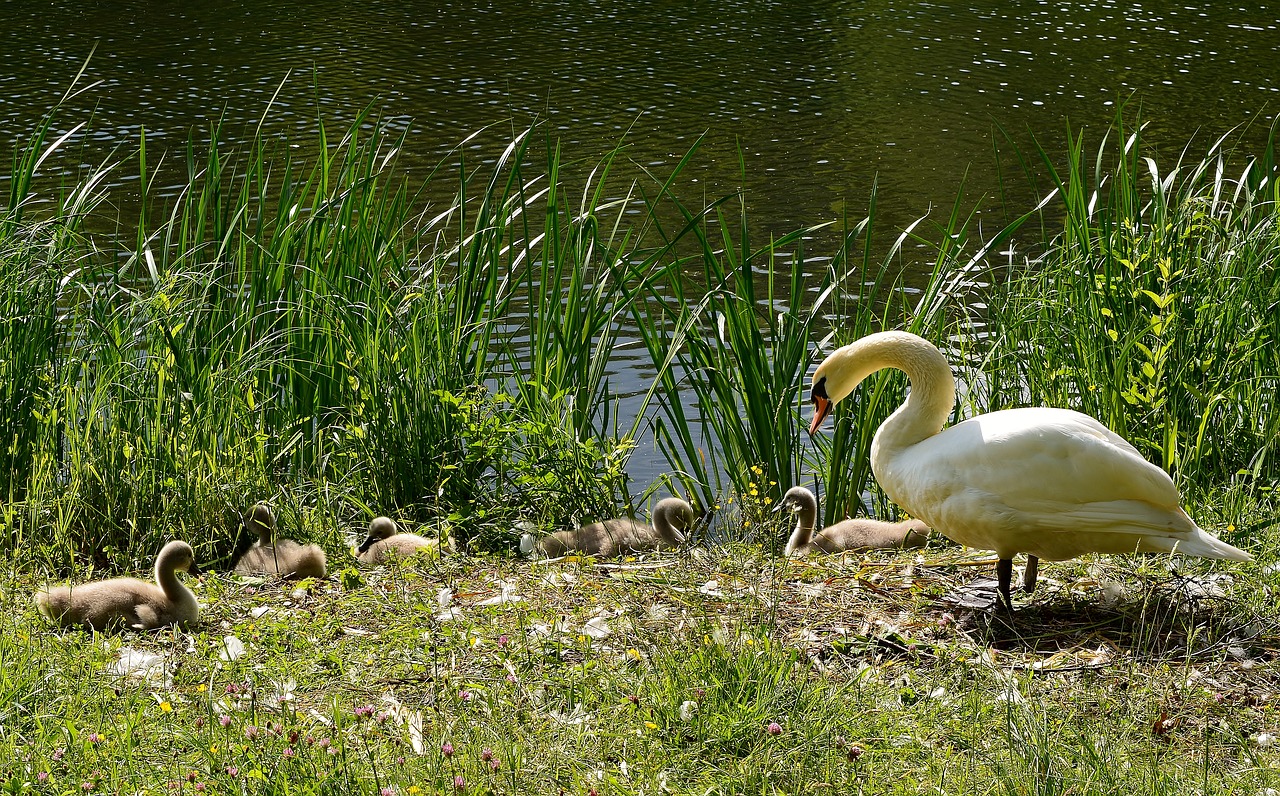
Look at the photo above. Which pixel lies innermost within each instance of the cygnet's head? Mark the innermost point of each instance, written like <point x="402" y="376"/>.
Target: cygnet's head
<point x="261" y="520"/>
<point x="797" y="499"/>
<point x="177" y="555"/>
<point x="379" y="528"/>
<point x="684" y="515"/>
<point x="917" y="534"/>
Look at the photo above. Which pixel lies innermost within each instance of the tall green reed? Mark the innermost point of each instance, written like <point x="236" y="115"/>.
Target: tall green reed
<point x="733" y="346"/>
<point x="303" y="330"/>
<point x="30" y="336"/>
<point x="1154" y="308"/>
<point x="38" y="258"/>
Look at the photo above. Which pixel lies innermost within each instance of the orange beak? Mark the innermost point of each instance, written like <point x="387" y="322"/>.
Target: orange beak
<point x="821" y="408"/>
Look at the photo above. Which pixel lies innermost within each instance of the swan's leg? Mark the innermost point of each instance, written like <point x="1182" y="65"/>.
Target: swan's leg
<point x="1029" y="574"/>
<point x="1004" y="573"/>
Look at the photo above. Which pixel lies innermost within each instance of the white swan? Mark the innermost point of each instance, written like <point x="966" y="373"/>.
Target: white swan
<point x="1052" y="483"/>
<point x="272" y="556"/>
<point x="621" y="535"/>
<point x="128" y="601"/>
<point x="852" y="534"/>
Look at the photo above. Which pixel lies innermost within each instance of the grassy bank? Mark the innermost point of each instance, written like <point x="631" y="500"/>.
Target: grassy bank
<point x="715" y="671"/>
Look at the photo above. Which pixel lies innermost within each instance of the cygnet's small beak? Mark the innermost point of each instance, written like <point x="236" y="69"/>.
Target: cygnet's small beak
<point x="366" y="544"/>
<point x="821" y="408"/>
<point x="194" y="569"/>
<point x="781" y="505"/>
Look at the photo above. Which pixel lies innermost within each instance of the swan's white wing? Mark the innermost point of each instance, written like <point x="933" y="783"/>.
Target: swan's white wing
<point x="1040" y="457"/>
<point x="1067" y="457"/>
<point x="1014" y="479"/>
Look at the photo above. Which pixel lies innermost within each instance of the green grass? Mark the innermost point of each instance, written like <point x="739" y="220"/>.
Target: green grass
<point x="663" y="674"/>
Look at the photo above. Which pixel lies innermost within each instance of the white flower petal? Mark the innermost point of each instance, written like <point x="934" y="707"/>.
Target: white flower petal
<point x="141" y="665"/>
<point x="597" y="628"/>
<point x="232" y="648"/>
<point x="687" y="709"/>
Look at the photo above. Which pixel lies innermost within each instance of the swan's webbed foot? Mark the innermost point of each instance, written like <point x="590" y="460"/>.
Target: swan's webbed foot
<point x="1029" y="574"/>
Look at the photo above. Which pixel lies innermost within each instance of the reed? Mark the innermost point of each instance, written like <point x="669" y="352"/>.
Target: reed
<point x="30" y="336"/>
<point x="1153" y="307"/>
<point x="734" y="350"/>
<point x="732" y="347"/>
<point x="303" y="331"/>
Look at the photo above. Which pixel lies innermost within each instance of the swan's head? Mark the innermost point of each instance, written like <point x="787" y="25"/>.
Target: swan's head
<point x="840" y="373"/>
<point x="261" y="520"/>
<point x="380" y="528"/>
<point x="176" y="556"/>
<point x="836" y="377"/>
<point x="796" y="500"/>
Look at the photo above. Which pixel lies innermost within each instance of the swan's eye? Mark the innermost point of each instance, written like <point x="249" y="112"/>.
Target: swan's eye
<point x="819" y="389"/>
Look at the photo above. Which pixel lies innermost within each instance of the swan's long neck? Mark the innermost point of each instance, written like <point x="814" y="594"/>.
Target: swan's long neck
<point x="933" y="388"/>
<point x="806" y="518"/>
<point x="167" y="579"/>
<point x="663" y="523"/>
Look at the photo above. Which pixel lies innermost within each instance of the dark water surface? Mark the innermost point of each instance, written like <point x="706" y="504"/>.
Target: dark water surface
<point x="821" y="97"/>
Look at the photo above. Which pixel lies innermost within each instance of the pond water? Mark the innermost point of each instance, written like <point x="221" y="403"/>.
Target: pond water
<point x="820" y="97"/>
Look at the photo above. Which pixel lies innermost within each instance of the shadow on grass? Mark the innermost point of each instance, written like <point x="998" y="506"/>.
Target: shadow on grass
<point x="1179" y="619"/>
